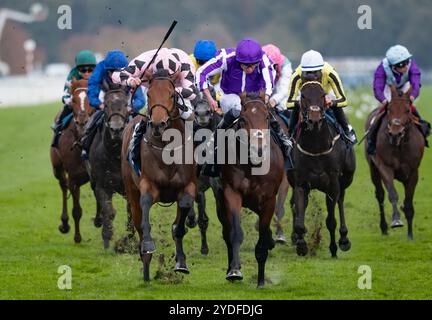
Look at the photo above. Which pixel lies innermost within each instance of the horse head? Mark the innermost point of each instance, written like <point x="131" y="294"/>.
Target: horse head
<point x="312" y="104"/>
<point x="399" y="115"/>
<point x="80" y="104"/>
<point x="116" y="114"/>
<point x="203" y="111"/>
<point x="254" y="118"/>
<point x="162" y="100"/>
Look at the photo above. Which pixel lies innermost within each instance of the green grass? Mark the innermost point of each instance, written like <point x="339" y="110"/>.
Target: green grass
<point x="32" y="248"/>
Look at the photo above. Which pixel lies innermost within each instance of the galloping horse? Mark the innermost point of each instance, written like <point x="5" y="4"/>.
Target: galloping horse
<point x="322" y="161"/>
<point x="205" y="118"/>
<point x="243" y="188"/>
<point x="159" y="181"/>
<point x="67" y="165"/>
<point x="104" y="157"/>
<point x="399" y="151"/>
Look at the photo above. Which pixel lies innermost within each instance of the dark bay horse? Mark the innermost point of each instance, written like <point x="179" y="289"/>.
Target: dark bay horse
<point x="104" y="157"/>
<point x="66" y="161"/>
<point x="399" y="151"/>
<point x="159" y="180"/>
<point x="243" y="188"/>
<point x="322" y="161"/>
<point x="205" y="119"/>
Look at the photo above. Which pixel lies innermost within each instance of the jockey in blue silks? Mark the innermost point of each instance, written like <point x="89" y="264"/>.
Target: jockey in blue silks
<point x="114" y="60"/>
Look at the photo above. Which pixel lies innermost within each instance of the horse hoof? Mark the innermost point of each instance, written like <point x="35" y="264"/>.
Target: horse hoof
<point x="260" y="285"/>
<point x="204" y="251"/>
<point x="302" y="248"/>
<point x="190" y="222"/>
<point x="148" y="247"/>
<point x="281" y="239"/>
<point x="397" y="223"/>
<point x="77" y="238"/>
<point x="182" y="268"/>
<point x="234" y="275"/>
<point x="344" y="245"/>
<point x="97" y="222"/>
<point x="64" y="228"/>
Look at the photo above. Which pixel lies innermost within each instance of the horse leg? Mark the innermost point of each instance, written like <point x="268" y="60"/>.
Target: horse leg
<point x="331" y="223"/>
<point x="301" y="196"/>
<point x="293" y="234"/>
<point x="104" y="200"/>
<point x="60" y="174"/>
<point x="280" y="210"/>
<point x="98" y="217"/>
<point x="265" y="240"/>
<point x="233" y="232"/>
<point x="388" y="176"/>
<point x="76" y="210"/>
<point x="379" y="195"/>
<point x="408" y="207"/>
<point x="147" y="243"/>
<point x="344" y="243"/>
<point x="202" y="221"/>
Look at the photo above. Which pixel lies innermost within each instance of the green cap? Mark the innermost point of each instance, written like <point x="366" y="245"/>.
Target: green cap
<point x="85" y="57"/>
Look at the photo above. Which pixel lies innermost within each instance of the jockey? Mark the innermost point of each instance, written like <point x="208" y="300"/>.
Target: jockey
<point x="173" y="60"/>
<point x="114" y="60"/>
<point x="313" y="68"/>
<point x="245" y="68"/>
<point x="204" y="51"/>
<point x="283" y="68"/>
<point x="85" y="62"/>
<point x="400" y="69"/>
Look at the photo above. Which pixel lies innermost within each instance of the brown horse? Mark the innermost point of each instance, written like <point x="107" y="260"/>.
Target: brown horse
<point x="243" y="188"/>
<point x="66" y="161"/>
<point x="159" y="181"/>
<point x="399" y="151"/>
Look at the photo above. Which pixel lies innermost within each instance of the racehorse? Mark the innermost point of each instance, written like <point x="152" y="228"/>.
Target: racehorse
<point x="104" y="157"/>
<point x="322" y="161"/>
<point x="399" y="151"/>
<point x="67" y="165"/>
<point x="205" y="119"/>
<point x="243" y="188"/>
<point x="159" y="181"/>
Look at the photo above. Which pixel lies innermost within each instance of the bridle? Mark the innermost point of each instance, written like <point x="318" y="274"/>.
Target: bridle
<point x="173" y="114"/>
<point x="304" y="118"/>
<point x="397" y="122"/>
<point x="122" y="116"/>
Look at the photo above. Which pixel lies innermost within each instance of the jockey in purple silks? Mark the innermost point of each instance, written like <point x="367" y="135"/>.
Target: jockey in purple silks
<point x="245" y="68"/>
<point x="400" y="69"/>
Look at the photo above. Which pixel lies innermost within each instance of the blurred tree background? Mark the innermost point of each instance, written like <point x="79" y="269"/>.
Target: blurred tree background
<point x="329" y="26"/>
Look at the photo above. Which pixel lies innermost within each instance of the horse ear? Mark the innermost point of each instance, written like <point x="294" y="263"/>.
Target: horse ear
<point x="147" y="76"/>
<point x="393" y="90"/>
<point x="174" y="77"/>
<point x="408" y="93"/>
<point x="105" y="86"/>
<point x="243" y="97"/>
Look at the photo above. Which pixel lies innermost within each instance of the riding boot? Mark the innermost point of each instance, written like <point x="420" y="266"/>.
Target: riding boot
<point x="284" y="142"/>
<point x="134" y="146"/>
<point x="90" y="132"/>
<point x="347" y="128"/>
<point x="294" y="119"/>
<point x="58" y="125"/>
<point x="212" y="170"/>
<point x="424" y="127"/>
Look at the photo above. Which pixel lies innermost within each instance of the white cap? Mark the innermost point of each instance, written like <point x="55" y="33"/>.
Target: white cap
<point x="311" y="61"/>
